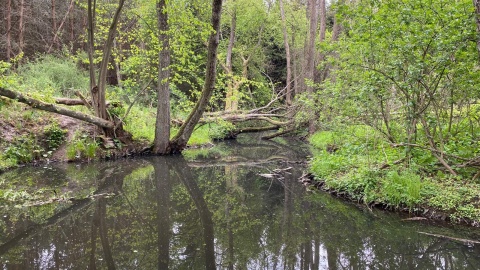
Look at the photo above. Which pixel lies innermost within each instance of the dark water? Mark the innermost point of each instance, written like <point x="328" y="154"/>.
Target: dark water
<point x="211" y="209"/>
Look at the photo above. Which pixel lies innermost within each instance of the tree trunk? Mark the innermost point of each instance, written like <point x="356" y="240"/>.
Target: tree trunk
<point x="57" y="31"/>
<point x="180" y="140"/>
<point x="98" y="95"/>
<point x="21" y="26"/>
<point x="288" y="95"/>
<point x="231" y="95"/>
<point x="323" y="20"/>
<point x="54" y="23"/>
<point x="476" y="3"/>
<point x="310" y="55"/>
<point x="91" y="44"/>
<point x="9" y="29"/>
<point x="162" y="126"/>
<point x="37" y="104"/>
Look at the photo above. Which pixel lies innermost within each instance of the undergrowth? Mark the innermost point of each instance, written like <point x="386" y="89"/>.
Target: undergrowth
<point x="357" y="160"/>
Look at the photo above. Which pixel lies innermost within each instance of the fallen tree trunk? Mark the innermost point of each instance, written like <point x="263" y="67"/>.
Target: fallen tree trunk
<point x="40" y="105"/>
<point x="69" y="101"/>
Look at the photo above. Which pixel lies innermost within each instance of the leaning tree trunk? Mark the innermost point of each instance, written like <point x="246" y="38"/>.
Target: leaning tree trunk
<point x="180" y="140"/>
<point x="162" y="126"/>
<point x="37" y="104"/>
<point x="100" y="105"/>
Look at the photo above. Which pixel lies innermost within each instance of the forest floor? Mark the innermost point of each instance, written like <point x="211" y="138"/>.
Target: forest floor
<point x="32" y="136"/>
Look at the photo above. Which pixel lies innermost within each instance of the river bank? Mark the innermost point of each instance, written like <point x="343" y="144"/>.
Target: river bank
<point x="358" y="164"/>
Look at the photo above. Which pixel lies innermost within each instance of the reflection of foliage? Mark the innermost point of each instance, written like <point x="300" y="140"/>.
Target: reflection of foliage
<point x="263" y="220"/>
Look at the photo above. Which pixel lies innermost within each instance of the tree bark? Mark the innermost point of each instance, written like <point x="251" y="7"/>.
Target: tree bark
<point x="323" y="20"/>
<point x="37" y="104"/>
<point x="21" y="26"/>
<point x="162" y="126"/>
<point x="310" y="65"/>
<point x="9" y="29"/>
<point x="54" y="22"/>
<point x="288" y="96"/>
<point x="476" y="4"/>
<point x="98" y="95"/>
<point x="180" y="140"/>
<point x="91" y="44"/>
<point x="57" y="31"/>
<point x="231" y="95"/>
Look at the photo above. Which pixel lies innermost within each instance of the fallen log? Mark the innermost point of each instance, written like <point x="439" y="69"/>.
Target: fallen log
<point x="40" y="105"/>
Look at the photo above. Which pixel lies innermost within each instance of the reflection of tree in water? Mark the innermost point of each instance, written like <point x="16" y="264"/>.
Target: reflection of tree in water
<point x="195" y="215"/>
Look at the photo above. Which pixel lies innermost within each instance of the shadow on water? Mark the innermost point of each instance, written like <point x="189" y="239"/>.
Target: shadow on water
<point x="212" y="210"/>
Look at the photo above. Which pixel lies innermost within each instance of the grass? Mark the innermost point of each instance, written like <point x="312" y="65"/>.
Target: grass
<point x="359" y="161"/>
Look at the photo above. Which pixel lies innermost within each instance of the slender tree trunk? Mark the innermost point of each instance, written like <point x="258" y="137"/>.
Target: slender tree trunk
<point x="99" y="102"/>
<point x="231" y="95"/>
<point x="21" y="26"/>
<point x="310" y="65"/>
<point x="91" y="44"/>
<point x="288" y="95"/>
<point x="476" y="4"/>
<point x="57" y="31"/>
<point x="72" y="28"/>
<point x="323" y="20"/>
<point x="162" y="126"/>
<point x="9" y="29"/>
<point x="180" y="140"/>
<point x="54" y="23"/>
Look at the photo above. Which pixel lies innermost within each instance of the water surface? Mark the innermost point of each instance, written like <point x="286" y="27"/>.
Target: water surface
<point x="238" y="205"/>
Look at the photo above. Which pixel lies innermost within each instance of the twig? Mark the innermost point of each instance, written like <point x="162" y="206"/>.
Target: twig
<point x="461" y="240"/>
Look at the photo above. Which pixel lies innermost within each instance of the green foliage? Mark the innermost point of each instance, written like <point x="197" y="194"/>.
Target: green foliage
<point x="23" y="149"/>
<point x="402" y="188"/>
<point x="55" y="136"/>
<point x="220" y="129"/>
<point x="53" y="75"/>
<point x="81" y="147"/>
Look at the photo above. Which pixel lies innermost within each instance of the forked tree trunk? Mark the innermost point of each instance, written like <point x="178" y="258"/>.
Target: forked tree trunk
<point x="180" y="140"/>
<point x="99" y="102"/>
<point x="98" y="88"/>
<point x="162" y="126"/>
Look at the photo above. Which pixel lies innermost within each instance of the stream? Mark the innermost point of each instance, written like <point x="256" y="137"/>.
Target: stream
<point x="237" y="205"/>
